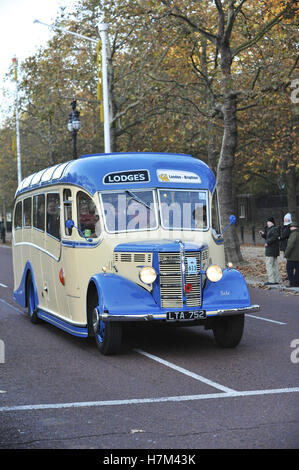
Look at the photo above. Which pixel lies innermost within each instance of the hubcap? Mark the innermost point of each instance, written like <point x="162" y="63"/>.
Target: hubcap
<point x="95" y="320"/>
<point x="98" y="325"/>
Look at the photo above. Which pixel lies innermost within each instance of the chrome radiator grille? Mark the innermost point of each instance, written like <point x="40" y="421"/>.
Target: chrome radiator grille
<point x="193" y="297"/>
<point x="174" y="284"/>
<point x="170" y="280"/>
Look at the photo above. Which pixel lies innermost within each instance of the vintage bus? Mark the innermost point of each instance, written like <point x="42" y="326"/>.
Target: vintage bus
<point x="112" y="239"/>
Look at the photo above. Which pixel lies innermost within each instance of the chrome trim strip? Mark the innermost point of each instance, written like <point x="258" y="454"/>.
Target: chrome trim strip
<point x="38" y="248"/>
<point x="233" y="311"/>
<point x="162" y="316"/>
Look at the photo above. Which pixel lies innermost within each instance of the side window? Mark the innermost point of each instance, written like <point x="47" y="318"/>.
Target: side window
<point x="53" y="215"/>
<point x="88" y="218"/>
<point x="27" y="212"/>
<point x="39" y="212"/>
<point x="18" y="216"/>
<point x="215" y="215"/>
<point x="67" y="209"/>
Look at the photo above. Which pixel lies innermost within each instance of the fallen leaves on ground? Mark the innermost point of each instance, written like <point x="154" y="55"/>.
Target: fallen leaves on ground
<point x="253" y="267"/>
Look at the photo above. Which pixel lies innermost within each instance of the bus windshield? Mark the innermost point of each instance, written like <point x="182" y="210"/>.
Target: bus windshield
<point x="126" y="211"/>
<point x="183" y="209"/>
<point x="136" y="210"/>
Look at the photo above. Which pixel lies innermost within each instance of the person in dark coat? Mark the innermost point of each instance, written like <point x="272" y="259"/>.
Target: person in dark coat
<point x="271" y="235"/>
<point x="285" y="233"/>
<point x="292" y="255"/>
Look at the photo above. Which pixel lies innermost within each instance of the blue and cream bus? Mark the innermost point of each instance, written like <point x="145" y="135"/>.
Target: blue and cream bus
<point x="109" y="239"/>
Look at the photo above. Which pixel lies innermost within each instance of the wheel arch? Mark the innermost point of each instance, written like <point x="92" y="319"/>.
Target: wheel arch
<point x="20" y="294"/>
<point x="28" y="274"/>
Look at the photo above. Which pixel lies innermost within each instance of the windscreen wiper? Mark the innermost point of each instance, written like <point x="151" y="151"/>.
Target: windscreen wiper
<point x="137" y="199"/>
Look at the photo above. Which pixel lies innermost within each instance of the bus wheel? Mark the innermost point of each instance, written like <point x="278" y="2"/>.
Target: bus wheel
<point x="107" y="335"/>
<point x="31" y="304"/>
<point x="228" y="331"/>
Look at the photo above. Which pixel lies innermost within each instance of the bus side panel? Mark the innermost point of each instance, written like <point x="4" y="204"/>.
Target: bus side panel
<point x="79" y="264"/>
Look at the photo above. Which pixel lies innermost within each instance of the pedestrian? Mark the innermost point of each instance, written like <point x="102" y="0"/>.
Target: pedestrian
<point x="271" y="235"/>
<point x="292" y="255"/>
<point x="285" y="233"/>
<point x="2" y="231"/>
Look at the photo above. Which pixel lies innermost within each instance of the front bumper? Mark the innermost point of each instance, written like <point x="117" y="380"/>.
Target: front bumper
<point x="163" y="316"/>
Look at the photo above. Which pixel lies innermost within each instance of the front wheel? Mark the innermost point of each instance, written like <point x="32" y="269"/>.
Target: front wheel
<point x="228" y="331"/>
<point x="108" y="335"/>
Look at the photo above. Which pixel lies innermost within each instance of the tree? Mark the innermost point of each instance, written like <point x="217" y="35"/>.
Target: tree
<point x="224" y="35"/>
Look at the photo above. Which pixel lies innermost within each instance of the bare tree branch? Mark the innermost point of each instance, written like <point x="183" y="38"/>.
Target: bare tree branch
<point x="264" y="30"/>
<point x="176" y="12"/>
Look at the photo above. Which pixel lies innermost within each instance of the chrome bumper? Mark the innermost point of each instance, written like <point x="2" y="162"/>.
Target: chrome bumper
<point x="162" y="316"/>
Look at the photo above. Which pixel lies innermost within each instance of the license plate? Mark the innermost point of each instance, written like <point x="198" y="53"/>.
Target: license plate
<point x="192" y="265"/>
<point x="189" y="315"/>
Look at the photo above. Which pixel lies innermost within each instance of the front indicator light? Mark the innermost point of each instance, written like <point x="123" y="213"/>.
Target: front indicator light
<point x="214" y="273"/>
<point x="147" y="275"/>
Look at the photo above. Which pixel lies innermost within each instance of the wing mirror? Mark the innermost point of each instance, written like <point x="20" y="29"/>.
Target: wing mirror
<point x="69" y="223"/>
<point x="232" y="220"/>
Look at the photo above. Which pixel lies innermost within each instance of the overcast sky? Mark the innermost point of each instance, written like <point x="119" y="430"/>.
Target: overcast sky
<point x="19" y="37"/>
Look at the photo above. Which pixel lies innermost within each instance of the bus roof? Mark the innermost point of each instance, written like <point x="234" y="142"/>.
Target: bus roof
<point x="98" y="172"/>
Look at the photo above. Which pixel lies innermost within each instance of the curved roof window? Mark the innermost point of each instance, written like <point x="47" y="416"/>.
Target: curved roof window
<point x="36" y="177"/>
<point x="47" y="175"/>
<point x="26" y="181"/>
<point x="59" y="170"/>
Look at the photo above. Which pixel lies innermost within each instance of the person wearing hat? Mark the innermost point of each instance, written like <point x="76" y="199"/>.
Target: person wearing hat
<point x="287" y="220"/>
<point x="292" y="255"/>
<point x="271" y="235"/>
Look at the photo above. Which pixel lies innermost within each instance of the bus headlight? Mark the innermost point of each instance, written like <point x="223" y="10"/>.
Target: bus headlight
<point x="214" y="273"/>
<point x="147" y="275"/>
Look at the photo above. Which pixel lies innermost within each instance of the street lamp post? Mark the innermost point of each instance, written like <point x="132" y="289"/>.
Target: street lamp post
<point x="73" y="125"/>
<point x="103" y="31"/>
<point x="15" y="62"/>
<point x="102" y="27"/>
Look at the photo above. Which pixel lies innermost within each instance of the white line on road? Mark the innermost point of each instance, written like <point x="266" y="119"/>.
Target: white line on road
<point x="18" y="310"/>
<point x="137" y="401"/>
<point x="266" y="319"/>
<point x="2" y="285"/>
<point x="185" y="371"/>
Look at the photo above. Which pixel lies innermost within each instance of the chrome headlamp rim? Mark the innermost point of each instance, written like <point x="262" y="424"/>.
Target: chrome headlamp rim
<point x="147" y="275"/>
<point x="214" y="273"/>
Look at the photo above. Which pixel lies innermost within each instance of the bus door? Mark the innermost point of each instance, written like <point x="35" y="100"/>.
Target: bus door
<point x="77" y="258"/>
<point x="51" y="257"/>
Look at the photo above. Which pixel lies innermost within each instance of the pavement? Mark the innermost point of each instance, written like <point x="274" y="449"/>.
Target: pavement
<point x="253" y="267"/>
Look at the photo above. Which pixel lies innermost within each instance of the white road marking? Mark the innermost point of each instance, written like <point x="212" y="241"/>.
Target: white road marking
<point x="2" y="285"/>
<point x="226" y="391"/>
<point x="266" y="319"/>
<point x="16" y="309"/>
<point x="185" y="371"/>
<point x="138" y="401"/>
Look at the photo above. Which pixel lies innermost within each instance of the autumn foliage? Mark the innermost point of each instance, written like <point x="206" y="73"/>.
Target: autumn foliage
<point x="212" y="78"/>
